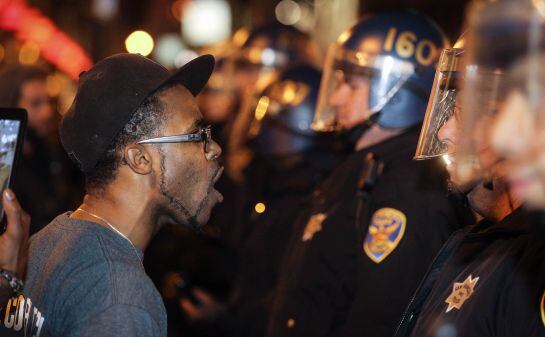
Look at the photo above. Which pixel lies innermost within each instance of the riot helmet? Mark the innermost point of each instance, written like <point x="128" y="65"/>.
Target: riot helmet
<point x="284" y="112"/>
<point x="385" y="64"/>
<point x="267" y="51"/>
<point x="270" y="48"/>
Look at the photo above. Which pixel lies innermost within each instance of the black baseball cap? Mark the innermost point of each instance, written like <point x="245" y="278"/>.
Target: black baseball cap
<point x="109" y="94"/>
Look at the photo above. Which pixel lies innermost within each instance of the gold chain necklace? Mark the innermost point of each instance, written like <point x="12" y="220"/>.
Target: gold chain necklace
<point x="115" y="230"/>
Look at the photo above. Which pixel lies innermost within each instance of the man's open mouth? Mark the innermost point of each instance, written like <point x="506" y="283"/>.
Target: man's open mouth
<point x="217" y="176"/>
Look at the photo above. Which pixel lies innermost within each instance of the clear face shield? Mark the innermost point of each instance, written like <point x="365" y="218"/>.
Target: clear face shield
<point x="263" y="103"/>
<point x="502" y="92"/>
<point x="256" y="67"/>
<point x="441" y="107"/>
<point x="355" y="86"/>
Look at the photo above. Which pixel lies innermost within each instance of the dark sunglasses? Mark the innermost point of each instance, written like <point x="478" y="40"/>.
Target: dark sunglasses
<point x="204" y="136"/>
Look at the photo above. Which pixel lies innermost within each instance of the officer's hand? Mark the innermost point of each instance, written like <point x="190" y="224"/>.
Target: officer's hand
<point x="14" y="241"/>
<point x="206" y="310"/>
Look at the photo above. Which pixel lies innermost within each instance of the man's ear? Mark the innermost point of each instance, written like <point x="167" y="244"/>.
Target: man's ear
<point x="138" y="158"/>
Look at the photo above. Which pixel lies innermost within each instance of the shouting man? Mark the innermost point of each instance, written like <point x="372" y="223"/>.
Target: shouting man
<point x="137" y="134"/>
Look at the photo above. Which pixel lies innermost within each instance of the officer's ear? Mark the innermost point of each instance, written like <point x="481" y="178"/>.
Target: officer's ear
<point x="138" y="158"/>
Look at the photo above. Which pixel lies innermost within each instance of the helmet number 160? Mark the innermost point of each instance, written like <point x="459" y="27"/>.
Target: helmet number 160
<point x="406" y="45"/>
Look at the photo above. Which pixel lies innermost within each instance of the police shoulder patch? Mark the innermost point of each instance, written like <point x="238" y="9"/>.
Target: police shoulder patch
<point x="386" y="230"/>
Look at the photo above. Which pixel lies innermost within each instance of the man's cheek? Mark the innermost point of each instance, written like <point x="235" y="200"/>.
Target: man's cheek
<point x="201" y="184"/>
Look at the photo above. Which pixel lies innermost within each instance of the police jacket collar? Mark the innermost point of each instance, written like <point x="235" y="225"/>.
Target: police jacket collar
<point x="519" y="222"/>
<point x="400" y="147"/>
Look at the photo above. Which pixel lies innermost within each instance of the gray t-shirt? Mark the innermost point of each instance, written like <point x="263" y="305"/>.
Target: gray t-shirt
<point x="87" y="280"/>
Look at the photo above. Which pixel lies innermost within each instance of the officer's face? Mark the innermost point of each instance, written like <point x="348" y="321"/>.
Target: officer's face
<point x="516" y="137"/>
<point x="350" y="99"/>
<point x="448" y="134"/>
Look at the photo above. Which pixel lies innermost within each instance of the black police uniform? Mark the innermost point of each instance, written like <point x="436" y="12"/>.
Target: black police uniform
<point x="284" y="192"/>
<point x="488" y="280"/>
<point x="326" y="267"/>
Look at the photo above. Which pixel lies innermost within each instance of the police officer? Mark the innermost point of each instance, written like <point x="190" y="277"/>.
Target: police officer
<point x="380" y="218"/>
<point x="489" y="279"/>
<point x="268" y="50"/>
<point x="290" y="159"/>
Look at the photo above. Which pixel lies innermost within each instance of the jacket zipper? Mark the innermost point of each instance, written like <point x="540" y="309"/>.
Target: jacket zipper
<point x="424" y="279"/>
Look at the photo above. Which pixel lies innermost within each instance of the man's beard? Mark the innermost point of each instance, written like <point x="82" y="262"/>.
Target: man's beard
<point x="177" y="204"/>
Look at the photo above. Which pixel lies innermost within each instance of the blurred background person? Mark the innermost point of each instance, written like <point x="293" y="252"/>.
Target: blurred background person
<point x="46" y="180"/>
<point x="268" y="49"/>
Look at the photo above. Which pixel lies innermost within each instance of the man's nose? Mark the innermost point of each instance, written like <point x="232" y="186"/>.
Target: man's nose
<point x="214" y="151"/>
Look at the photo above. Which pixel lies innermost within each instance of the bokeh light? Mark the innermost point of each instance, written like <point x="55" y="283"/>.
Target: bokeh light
<point x="206" y="22"/>
<point x="184" y="56"/>
<point x="167" y="49"/>
<point x="288" y="12"/>
<point x="260" y="207"/>
<point x="139" y="42"/>
<point x="29" y="53"/>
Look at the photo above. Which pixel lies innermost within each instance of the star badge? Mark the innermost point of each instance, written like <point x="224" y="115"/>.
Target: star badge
<point x="461" y="292"/>
<point x="314" y="225"/>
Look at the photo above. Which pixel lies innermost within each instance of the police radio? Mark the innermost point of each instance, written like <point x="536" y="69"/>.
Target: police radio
<point x="372" y="169"/>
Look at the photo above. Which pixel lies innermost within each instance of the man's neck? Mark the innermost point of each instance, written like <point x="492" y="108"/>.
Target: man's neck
<point x="375" y="135"/>
<point x="133" y="218"/>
